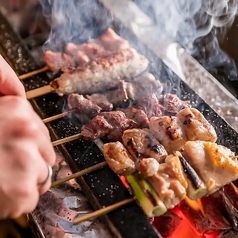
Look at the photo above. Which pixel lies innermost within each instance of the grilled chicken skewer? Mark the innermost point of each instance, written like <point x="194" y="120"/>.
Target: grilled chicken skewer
<point x="189" y="174"/>
<point x="188" y="124"/>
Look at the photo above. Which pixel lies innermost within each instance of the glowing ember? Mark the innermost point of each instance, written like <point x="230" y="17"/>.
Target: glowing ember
<point x="185" y="228"/>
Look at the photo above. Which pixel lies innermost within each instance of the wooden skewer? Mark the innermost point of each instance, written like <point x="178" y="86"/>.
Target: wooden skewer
<point x="103" y="211"/>
<point x="39" y="92"/>
<point x="67" y="139"/>
<point x="32" y="73"/>
<point x="78" y="174"/>
<point x="58" y="116"/>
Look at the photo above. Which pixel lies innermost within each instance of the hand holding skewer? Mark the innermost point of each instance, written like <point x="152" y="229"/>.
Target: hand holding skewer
<point x="25" y="147"/>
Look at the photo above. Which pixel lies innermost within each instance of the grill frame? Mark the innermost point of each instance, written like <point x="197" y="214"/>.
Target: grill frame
<point x="21" y="61"/>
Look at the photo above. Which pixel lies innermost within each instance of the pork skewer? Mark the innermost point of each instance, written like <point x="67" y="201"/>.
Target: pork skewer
<point x="77" y="55"/>
<point x="103" y="73"/>
<point x="168" y="104"/>
<point x="94" y="66"/>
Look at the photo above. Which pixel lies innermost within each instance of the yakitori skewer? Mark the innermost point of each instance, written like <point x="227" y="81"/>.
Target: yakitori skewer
<point x="58" y="116"/>
<point x="103" y="211"/>
<point x="39" y="92"/>
<point x="32" y="73"/>
<point x="79" y="174"/>
<point x="66" y="139"/>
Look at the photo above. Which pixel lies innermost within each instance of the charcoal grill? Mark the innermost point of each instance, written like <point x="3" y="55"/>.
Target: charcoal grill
<point x="103" y="187"/>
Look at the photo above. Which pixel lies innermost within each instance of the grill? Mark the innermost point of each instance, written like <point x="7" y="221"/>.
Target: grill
<point x="103" y="187"/>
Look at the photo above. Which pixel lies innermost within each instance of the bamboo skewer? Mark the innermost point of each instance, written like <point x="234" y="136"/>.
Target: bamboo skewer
<point x="78" y="174"/>
<point x="103" y="211"/>
<point x="32" y="73"/>
<point x="58" y="116"/>
<point x="39" y="92"/>
<point x="67" y="139"/>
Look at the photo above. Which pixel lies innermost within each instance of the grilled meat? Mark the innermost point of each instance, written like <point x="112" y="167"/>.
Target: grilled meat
<point x="118" y="158"/>
<point x="102" y="73"/>
<point x="119" y="95"/>
<point x="143" y="85"/>
<point x="78" y="55"/>
<point x="215" y="164"/>
<point x="148" y="167"/>
<point x="56" y="61"/>
<point x="83" y="105"/>
<point x="109" y="125"/>
<point x="169" y="131"/>
<point x="169" y="182"/>
<point x="101" y="100"/>
<point x="138" y="115"/>
<point x="195" y="125"/>
<point x="174" y="131"/>
<point x="172" y="104"/>
<point x="141" y="144"/>
<point x="150" y="105"/>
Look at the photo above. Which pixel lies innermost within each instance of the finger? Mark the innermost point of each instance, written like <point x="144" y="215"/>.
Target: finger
<point x="46" y="149"/>
<point x="45" y="183"/>
<point x="9" y="82"/>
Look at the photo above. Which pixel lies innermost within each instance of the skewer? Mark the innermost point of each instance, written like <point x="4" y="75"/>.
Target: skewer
<point x="58" y="116"/>
<point x="67" y="139"/>
<point x="32" y="73"/>
<point x="78" y="174"/>
<point x="39" y="92"/>
<point x="103" y="211"/>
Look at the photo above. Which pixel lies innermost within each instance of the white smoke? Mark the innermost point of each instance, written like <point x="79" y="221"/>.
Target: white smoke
<point x="198" y="25"/>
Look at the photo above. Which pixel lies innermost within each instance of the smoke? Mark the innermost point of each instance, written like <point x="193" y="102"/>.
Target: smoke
<point x="73" y="21"/>
<point x="199" y="26"/>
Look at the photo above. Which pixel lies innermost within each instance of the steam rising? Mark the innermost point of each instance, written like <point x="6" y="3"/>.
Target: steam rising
<point x="187" y="22"/>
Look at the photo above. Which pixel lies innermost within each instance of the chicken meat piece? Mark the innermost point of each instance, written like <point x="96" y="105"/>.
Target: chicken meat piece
<point x="195" y="125"/>
<point x="118" y="158"/>
<point x="169" y="182"/>
<point x="169" y="131"/>
<point x="141" y="144"/>
<point x="215" y="164"/>
<point x="148" y="167"/>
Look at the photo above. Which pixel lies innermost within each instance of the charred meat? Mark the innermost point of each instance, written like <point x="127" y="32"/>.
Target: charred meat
<point x="109" y="125"/>
<point x="118" y="158"/>
<point x="188" y="124"/>
<point x="141" y="144"/>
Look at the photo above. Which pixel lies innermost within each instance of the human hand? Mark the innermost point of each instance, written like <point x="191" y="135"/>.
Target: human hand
<point x="25" y="151"/>
<point x="9" y="82"/>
